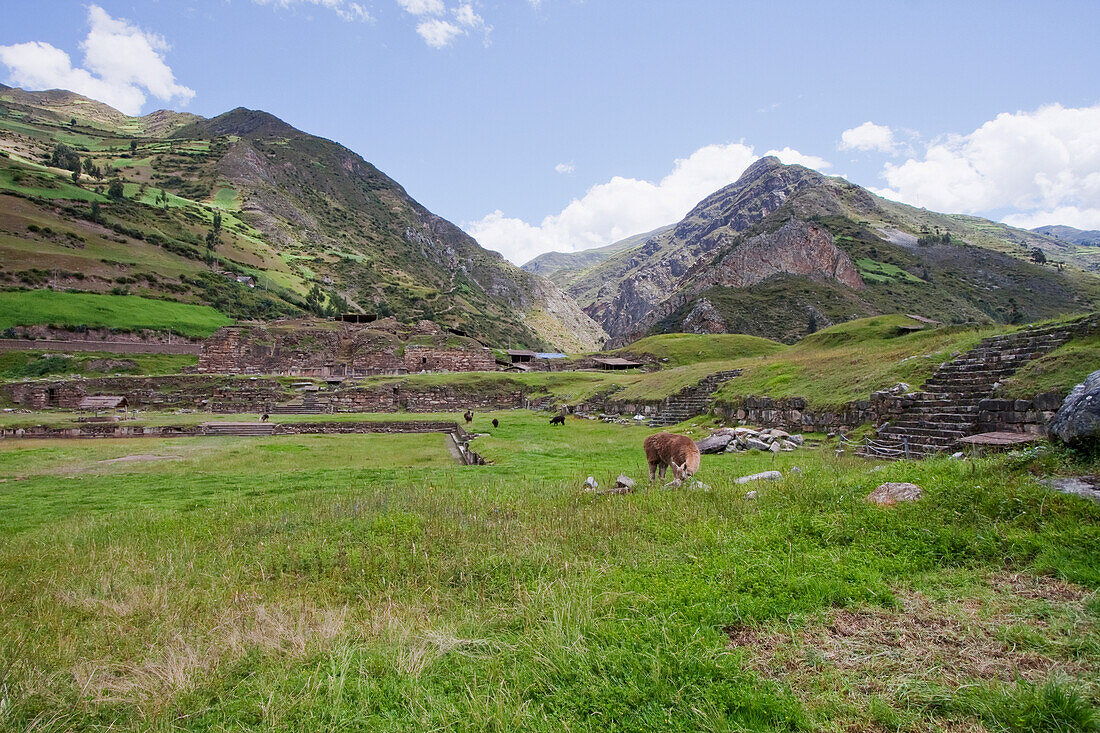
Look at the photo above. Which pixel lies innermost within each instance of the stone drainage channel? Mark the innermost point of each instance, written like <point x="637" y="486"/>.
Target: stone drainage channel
<point x="458" y="440"/>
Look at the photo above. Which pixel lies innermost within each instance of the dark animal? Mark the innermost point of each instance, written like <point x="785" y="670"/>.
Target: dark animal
<point x="496" y="423"/>
<point x="469" y="416"/>
<point x="667" y="449"/>
<point x="263" y="417"/>
<point x="557" y="420"/>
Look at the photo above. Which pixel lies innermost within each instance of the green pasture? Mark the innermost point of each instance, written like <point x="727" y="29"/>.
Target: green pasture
<point x="367" y="582"/>
<point x="123" y="312"/>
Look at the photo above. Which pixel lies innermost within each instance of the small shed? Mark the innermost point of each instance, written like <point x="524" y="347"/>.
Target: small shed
<point x="519" y="356"/>
<point x="615" y="362"/>
<point x="103" y="402"/>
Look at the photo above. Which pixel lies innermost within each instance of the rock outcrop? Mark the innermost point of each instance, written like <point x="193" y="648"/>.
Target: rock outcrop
<point x="1077" y="423"/>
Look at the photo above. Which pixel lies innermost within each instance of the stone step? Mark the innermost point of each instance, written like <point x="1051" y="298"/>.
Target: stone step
<point x="238" y="428"/>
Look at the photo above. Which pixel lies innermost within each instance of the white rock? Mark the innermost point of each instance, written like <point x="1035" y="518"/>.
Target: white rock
<point x="750" y="495"/>
<point x="763" y="476"/>
<point x="590" y="483"/>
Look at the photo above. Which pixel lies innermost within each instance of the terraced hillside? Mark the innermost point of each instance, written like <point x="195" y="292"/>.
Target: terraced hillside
<point x="175" y="206"/>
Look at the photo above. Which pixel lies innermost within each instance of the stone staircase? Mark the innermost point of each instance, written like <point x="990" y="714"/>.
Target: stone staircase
<point x="307" y="405"/>
<point x="251" y="429"/>
<point x="692" y="401"/>
<point x="947" y="407"/>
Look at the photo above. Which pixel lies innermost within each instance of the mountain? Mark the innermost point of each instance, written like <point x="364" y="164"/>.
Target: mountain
<point x="1070" y="235"/>
<point x="563" y="268"/>
<point x="316" y="226"/>
<point x="784" y="249"/>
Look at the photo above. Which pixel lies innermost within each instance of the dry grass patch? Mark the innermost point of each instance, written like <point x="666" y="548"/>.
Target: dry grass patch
<point x="1020" y="629"/>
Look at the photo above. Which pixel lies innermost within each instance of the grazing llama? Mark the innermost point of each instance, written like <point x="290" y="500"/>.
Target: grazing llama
<point x="678" y="451"/>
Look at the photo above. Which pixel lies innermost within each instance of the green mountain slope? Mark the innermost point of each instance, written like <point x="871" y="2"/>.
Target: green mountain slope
<point x="315" y="226"/>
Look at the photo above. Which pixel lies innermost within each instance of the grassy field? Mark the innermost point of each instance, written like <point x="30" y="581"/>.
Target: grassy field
<point x="677" y="349"/>
<point x="851" y="360"/>
<point x="36" y="363"/>
<point x="368" y="583"/>
<point x="123" y="312"/>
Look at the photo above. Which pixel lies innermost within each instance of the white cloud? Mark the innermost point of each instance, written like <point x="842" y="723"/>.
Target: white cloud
<point x="344" y="9"/>
<point x="438" y="33"/>
<point x="122" y="64"/>
<point x="623" y="207"/>
<point x="435" y="29"/>
<point x="423" y="7"/>
<point x="790" y="156"/>
<point x="565" y="167"/>
<point x="1041" y="165"/>
<point x="868" y="137"/>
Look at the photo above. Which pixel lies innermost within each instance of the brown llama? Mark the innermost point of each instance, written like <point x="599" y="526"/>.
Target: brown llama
<point x="667" y="449"/>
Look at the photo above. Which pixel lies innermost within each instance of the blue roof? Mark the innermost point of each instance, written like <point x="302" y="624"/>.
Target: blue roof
<point x="549" y="355"/>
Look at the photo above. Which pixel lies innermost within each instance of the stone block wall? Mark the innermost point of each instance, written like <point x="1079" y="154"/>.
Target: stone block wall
<point x="1019" y="416"/>
<point x="438" y="359"/>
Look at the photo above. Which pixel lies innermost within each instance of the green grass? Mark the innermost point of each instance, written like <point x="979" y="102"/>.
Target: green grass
<point x="849" y="361"/>
<point x="677" y="349"/>
<point x="367" y="583"/>
<point x="1059" y="371"/>
<point x="874" y="271"/>
<point x="123" y="312"/>
<point x="36" y="363"/>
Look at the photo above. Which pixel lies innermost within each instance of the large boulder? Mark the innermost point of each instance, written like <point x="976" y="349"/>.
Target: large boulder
<point x="1077" y="423"/>
<point x="715" y="443"/>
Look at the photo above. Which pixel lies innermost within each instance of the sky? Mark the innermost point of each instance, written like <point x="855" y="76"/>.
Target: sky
<point x="542" y="125"/>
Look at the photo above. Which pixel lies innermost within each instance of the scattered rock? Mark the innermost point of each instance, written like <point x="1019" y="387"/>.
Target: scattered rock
<point x="795" y="469"/>
<point x="590" y="484"/>
<point x="892" y="493"/>
<point x="957" y="455"/>
<point x="1086" y="486"/>
<point x="754" y="444"/>
<point x="699" y="486"/>
<point x="750" y="495"/>
<point x="775" y="447"/>
<point x="1078" y="420"/>
<point x="616" y="490"/>
<point x="763" y="476"/>
<point x="639" y="418"/>
<point x="715" y="443"/>
<point x="624" y="482"/>
<point x="798" y="440"/>
<point x="900" y="388"/>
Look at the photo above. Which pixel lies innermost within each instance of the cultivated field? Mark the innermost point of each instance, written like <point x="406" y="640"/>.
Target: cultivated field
<point x="369" y="583"/>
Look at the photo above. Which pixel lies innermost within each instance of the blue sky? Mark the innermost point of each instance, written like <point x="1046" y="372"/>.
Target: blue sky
<point x="558" y="124"/>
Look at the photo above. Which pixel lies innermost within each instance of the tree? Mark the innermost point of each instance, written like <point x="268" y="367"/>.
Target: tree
<point x="133" y="147"/>
<point x="1037" y="255"/>
<point x="76" y="175"/>
<point x="95" y="211"/>
<point x="115" y="191"/>
<point x="65" y="157"/>
<point x="813" y="322"/>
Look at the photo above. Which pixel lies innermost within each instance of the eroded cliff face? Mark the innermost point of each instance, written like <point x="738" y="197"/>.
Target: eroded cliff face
<point x="623" y="290"/>
<point x="796" y="248"/>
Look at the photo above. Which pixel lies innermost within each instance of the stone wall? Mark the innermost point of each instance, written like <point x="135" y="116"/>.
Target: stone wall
<point x="220" y="394"/>
<point x="437" y="359"/>
<point x="1019" y="416"/>
<point x="115" y="430"/>
<point x="337" y="350"/>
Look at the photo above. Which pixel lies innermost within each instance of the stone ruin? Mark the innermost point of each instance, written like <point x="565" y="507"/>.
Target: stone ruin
<point x="310" y="348"/>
